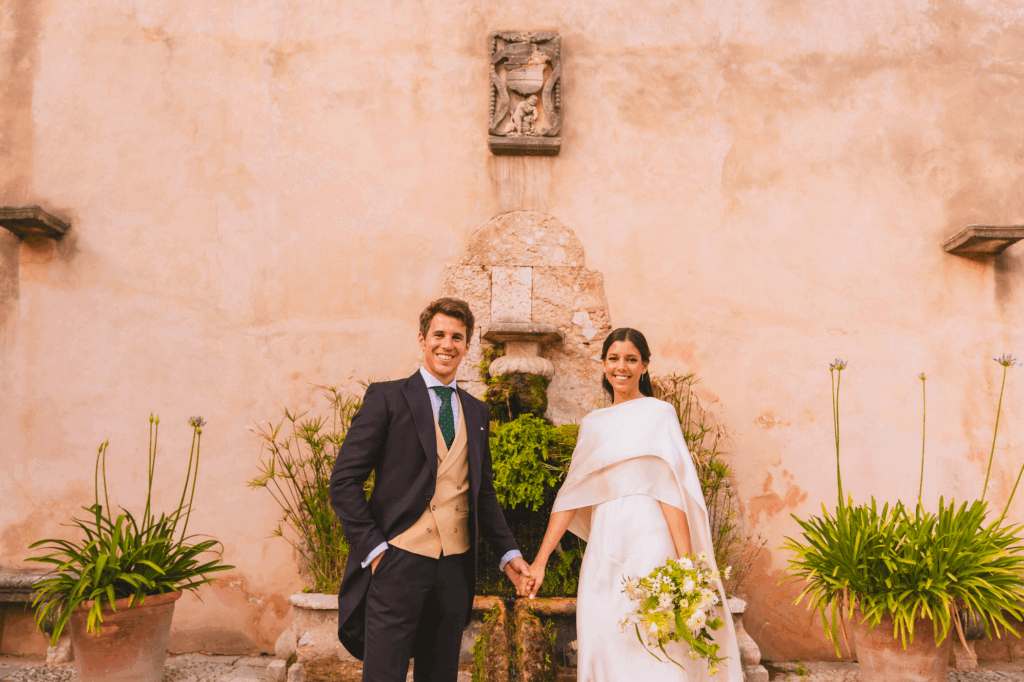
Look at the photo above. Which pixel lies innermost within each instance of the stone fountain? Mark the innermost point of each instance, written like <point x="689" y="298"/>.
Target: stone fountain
<point x="522" y="374"/>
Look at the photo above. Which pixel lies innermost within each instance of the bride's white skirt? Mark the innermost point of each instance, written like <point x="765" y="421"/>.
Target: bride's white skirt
<point x="628" y="536"/>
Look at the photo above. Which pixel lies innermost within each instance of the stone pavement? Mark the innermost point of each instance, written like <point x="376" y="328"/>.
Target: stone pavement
<point x="180" y="668"/>
<point x="204" y="668"/>
<point x="849" y="672"/>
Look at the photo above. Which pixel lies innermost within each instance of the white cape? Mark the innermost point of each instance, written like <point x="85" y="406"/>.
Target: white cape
<point x="637" y="448"/>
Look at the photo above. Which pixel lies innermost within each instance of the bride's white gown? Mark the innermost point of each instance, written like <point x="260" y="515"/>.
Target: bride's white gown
<point x="627" y="459"/>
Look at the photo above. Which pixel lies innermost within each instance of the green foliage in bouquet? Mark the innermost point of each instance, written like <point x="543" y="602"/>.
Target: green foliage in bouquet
<point x="124" y="556"/>
<point x="909" y="563"/>
<point x="295" y="468"/>
<point x="676" y="603"/>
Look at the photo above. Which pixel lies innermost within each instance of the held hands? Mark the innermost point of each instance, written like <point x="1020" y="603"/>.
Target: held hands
<point x="518" y="572"/>
<point x="537" y="571"/>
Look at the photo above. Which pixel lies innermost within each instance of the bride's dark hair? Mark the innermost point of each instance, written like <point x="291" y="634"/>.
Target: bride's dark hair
<point x="638" y="340"/>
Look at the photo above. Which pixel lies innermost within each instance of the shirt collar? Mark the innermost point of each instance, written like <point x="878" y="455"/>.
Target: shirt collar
<point x="431" y="380"/>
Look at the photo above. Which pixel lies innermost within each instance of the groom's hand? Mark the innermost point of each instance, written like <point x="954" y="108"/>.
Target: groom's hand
<point x="375" y="561"/>
<point x="518" y="572"/>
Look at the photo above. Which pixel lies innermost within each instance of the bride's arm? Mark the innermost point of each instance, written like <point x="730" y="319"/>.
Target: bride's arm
<point x="678" y="527"/>
<point x="557" y="525"/>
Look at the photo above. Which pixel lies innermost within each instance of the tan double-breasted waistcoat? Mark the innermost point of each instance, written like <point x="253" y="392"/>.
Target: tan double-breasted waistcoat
<point x="444" y="526"/>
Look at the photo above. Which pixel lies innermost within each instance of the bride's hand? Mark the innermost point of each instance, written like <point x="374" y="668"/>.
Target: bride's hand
<point x="537" y="571"/>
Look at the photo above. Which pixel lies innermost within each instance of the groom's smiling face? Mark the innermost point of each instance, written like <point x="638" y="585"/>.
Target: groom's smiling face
<point x="444" y="346"/>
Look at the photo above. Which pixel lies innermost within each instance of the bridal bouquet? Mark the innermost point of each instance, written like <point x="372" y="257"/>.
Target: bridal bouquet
<point x="676" y="602"/>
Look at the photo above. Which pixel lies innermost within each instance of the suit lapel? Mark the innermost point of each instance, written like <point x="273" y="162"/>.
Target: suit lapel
<point x="474" y="435"/>
<point x="415" y="391"/>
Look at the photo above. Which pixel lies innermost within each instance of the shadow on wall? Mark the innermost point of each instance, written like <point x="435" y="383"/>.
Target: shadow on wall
<point x="10" y="248"/>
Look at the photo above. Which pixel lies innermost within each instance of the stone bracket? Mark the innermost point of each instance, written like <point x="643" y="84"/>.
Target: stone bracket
<point x="32" y="221"/>
<point x="983" y="240"/>
<point x="524" y="146"/>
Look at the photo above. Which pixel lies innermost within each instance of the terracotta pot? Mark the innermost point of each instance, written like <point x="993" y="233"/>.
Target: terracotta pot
<point x="882" y="657"/>
<point x="131" y="643"/>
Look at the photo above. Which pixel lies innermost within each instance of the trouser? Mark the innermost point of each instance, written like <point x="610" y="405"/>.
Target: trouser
<point x="416" y="607"/>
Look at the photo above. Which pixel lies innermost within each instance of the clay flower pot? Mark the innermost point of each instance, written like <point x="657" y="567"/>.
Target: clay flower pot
<point x="131" y="643"/>
<point x="882" y="657"/>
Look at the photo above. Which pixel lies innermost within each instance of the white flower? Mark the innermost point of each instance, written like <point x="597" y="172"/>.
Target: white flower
<point x="665" y="601"/>
<point x="696" y="621"/>
<point x="686" y="563"/>
<point x="653" y="627"/>
<point x="702" y="557"/>
<point x="688" y="586"/>
<point x="728" y="572"/>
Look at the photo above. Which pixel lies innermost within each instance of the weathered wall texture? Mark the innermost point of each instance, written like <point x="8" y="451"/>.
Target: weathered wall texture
<point x="264" y="194"/>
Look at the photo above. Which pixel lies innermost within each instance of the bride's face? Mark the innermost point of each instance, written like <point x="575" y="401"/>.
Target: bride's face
<point x="623" y="366"/>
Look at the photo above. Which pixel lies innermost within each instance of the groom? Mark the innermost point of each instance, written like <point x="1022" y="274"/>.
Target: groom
<point x="411" y="573"/>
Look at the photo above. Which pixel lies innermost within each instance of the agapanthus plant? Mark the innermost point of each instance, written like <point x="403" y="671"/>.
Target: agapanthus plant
<point x="124" y="555"/>
<point x="865" y="563"/>
<point x="676" y="603"/>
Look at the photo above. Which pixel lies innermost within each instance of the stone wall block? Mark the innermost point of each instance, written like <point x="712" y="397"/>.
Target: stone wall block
<point x="471" y="283"/>
<point x="524" y="238"/>
<point x="314" y="630"/>
<point x="511" y="294"/>
<point x="277" y="671"/>
<point x="573" y="300"/>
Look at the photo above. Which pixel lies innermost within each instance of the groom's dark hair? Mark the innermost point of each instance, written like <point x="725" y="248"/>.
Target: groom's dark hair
<point x="452" y="307"/>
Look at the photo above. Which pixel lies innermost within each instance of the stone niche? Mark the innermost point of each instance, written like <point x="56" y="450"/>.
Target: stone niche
<point x="528" y="267"/>
<point x="526" y="93"/>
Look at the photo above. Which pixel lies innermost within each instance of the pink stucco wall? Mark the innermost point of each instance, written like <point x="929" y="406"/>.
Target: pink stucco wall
<point x="264" y="194"/>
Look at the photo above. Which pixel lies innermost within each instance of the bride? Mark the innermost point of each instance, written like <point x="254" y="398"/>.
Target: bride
<point x="633" y="495"/>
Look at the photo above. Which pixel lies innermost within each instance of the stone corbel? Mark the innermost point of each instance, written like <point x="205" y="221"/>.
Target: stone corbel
<point x="523" y="342"/>
<point x="32" y="221"/>
<point x="983" y="240"/>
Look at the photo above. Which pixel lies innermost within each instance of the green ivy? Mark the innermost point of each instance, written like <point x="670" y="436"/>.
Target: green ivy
<point x="530" y="457"/>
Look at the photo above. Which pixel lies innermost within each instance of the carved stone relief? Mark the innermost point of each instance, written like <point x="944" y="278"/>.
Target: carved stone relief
<point x="526" y="93"/>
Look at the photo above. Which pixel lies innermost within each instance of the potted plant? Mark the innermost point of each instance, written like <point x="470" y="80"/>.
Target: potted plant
<point x="902" y="575"/>
<point x="115" y="588"/>
<point x="296" y="460"/>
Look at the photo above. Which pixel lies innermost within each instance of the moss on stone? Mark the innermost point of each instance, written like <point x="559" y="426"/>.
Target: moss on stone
<point x="512" y="395"/>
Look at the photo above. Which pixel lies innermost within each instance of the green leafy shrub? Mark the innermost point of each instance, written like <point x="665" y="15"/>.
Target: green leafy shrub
<point x="531" y="457"/>
<point x="124" y="556"/>
<point x="295" y="468"/>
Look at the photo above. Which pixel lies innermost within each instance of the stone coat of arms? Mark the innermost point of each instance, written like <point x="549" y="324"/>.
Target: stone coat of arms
<point x="526" y="98"/>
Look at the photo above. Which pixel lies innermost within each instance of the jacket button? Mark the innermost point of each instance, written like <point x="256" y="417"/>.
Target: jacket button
<point x="427" y="497"/>
<point x="433" y="507"/>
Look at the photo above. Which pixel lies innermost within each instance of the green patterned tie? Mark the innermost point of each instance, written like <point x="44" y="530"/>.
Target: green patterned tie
<point x="446" y="418"/>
